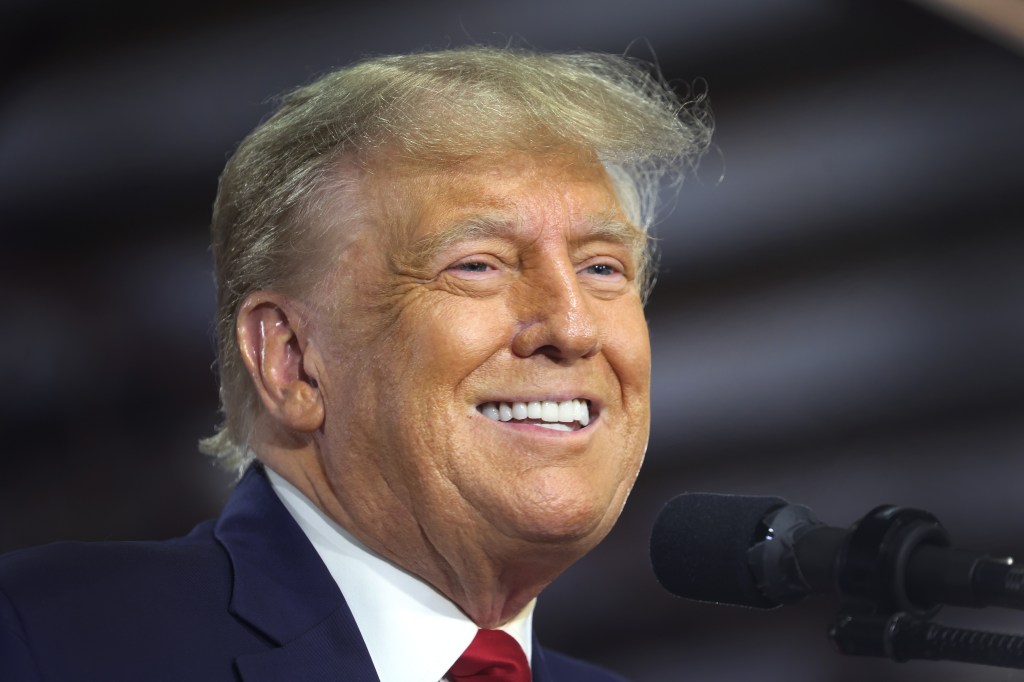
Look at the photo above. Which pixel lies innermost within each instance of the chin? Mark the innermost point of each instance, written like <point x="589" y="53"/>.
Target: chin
<point x="578" y="517"/>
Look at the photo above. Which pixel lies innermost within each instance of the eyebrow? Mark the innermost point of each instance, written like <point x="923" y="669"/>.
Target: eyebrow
<point x="606" y="226"/>
<point x="611" y="227"/>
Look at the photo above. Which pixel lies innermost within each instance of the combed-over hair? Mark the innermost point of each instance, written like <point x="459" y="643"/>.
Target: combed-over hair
<point x="433" y="106"/>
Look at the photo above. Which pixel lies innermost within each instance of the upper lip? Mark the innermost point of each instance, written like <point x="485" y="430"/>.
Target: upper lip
<point x="595" y="405"/>
<point x="556" y="397"/>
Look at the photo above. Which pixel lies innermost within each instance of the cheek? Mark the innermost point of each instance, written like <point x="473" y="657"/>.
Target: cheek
<point x="442" y="342"/>
<point x="627" y="346"/>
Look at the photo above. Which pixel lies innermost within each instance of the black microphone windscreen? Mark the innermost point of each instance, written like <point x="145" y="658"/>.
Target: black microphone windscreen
<point x="699" y="547"/>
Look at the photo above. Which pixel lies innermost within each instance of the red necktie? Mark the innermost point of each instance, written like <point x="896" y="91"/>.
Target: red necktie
<point x="492" y="656"/>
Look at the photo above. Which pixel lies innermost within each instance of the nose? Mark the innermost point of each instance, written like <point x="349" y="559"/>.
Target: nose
<point x="555" y="318"/>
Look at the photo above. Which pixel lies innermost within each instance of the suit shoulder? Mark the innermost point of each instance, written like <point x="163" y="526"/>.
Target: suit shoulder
<point x="567" y="669"/>
<point x="122" y="611"/>
<point x="49" y="573"/>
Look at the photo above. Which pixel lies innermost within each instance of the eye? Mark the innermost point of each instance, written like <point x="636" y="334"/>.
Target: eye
<point x="604" y="274"/>
<point x="602" y="269"/>
<point x="474" y="267"/>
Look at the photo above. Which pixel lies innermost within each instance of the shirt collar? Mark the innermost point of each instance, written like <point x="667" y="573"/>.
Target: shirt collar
<point x="394" y="610"/>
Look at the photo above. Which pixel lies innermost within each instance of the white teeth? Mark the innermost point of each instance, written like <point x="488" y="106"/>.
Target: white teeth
<point x="557" y="415"/>
<point x="581" y="412"/>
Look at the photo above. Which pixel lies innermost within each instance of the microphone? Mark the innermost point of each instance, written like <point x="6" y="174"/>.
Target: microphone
<point x="763" y="552"/>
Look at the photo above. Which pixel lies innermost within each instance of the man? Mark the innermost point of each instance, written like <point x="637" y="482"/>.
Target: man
<point x="435" y="375"/>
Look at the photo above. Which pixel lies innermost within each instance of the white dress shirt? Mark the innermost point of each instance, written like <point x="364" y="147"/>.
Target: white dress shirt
<point x="394" y="610"/>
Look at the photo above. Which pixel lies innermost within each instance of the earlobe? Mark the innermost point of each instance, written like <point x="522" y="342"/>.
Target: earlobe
<point x="273" y="349"/>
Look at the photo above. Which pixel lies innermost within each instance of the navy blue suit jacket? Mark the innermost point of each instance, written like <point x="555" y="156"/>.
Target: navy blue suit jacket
<point x="245" y="597"/>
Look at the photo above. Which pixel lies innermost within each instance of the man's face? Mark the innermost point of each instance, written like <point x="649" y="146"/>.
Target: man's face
<point x="476" y="294"/>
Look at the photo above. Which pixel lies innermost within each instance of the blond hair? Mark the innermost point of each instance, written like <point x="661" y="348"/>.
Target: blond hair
<point x="428" y="106"/>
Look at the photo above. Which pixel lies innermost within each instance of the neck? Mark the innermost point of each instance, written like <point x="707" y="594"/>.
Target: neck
<point x="489" y="577"/>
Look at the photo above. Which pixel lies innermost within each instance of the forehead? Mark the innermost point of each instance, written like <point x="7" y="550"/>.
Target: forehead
<point x="516" y="192"/>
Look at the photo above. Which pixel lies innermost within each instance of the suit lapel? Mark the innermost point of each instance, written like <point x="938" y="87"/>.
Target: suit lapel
<point x="538" y="666"/>
<point x="331" y="651"/>
<point x="282" y="589"/>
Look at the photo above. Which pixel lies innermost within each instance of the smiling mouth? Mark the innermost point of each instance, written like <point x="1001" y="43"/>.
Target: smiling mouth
<point x="565" y="415"/>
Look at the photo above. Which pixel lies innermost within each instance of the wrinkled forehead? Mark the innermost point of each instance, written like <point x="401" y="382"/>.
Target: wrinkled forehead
<point x="420" y="204"/>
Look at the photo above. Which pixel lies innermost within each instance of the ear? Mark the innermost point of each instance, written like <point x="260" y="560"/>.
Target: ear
<point x="275" y="349"/>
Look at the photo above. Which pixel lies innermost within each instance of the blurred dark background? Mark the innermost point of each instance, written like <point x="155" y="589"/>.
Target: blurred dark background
<point x="839" y="318"/>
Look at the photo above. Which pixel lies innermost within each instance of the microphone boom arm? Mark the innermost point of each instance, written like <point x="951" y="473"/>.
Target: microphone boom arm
<point x="903" y="637"/>
<point x="890" y="589"/>
<point x="892" y="571"/>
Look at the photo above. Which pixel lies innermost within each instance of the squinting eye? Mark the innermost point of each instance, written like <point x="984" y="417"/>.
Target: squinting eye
<point x="473" y="266"/>
<point x="481" y="268"/>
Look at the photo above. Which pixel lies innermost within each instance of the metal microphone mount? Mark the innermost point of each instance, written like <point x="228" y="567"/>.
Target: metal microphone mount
<point x="888" y="601"/>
